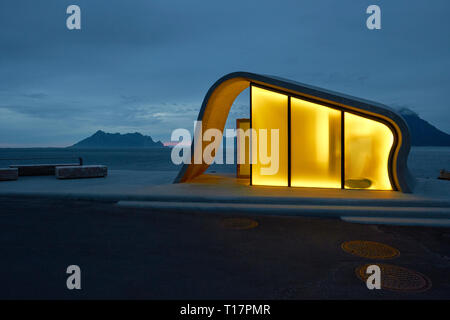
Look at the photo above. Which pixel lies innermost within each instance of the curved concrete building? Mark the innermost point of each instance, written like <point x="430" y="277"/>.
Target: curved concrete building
<point x="326" y="139"/>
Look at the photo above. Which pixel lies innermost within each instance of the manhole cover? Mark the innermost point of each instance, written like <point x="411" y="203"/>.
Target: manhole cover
<point x="370" y="249"/>
<point x="397" y="278"/>
<point x="239" y="223"/>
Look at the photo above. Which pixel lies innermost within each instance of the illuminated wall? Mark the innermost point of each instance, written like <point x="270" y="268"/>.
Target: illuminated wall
<point x="311" y="134"/>
<point x="315" y="145"/>
<point x="269" y="110"/>
<point x="367" y="147"/>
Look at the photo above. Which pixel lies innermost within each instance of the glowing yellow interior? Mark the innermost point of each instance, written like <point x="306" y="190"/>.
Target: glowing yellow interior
<point x="315" y="145"/>
<point x="269" y="111"/>
<point x="243" y="148"/>
<point x="367" y="147"/>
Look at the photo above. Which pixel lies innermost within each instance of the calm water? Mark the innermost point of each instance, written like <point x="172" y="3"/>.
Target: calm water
<point x="424" y="162"/>
<point x="119" y="159"/>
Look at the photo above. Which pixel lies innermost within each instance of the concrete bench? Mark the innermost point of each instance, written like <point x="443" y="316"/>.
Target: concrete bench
<point x="8" y="174"/>
<point x="77" y="172"/>
<point x="39" y="169"/>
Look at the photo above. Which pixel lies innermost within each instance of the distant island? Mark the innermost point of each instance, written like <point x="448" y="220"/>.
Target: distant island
<point x="102" y="139"/>
<point x="422" y="132"/>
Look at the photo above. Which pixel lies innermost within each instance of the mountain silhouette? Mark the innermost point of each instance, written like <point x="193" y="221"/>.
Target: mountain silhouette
<point x="422" y="132"/>
<point x="102" y="139"/>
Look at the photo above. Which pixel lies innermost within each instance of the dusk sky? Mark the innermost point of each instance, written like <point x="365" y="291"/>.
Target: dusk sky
<point x="145" y="65"/>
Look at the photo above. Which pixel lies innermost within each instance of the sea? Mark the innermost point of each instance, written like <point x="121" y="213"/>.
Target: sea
<point x="423" y="162"/>
<point x="139" y="159"/>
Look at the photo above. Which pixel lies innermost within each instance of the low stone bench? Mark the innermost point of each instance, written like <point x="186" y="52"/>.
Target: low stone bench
<point x="77" y="172"/>
<point x="39" y="169"/>
<point x="8" y="174"/>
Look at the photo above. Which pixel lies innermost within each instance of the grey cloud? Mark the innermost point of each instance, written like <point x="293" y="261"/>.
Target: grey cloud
<point x="37" y="95"/>
<point x="146" y="65"/>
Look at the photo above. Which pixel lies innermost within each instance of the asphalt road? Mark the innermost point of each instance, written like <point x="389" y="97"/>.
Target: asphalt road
<point x="136" y="253"/>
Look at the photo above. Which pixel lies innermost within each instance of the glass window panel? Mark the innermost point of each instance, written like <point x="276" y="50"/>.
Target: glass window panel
<point x="315" y="145"/>
<point x="367" y="147"/>
<point x="269" y="111"/>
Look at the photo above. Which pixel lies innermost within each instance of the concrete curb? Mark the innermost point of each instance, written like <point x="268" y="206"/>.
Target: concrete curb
<point x="324" y="211"/>
<point x="230" y="200"/>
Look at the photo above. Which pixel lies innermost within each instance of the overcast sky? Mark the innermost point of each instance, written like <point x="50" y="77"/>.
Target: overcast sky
<point x="145" y="65"/>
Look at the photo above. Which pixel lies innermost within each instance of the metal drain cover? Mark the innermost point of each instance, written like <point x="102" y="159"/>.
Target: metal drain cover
<point x="397" y="278"/>
<point x="239" y="223"/>
<point x="370" y="249"/>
